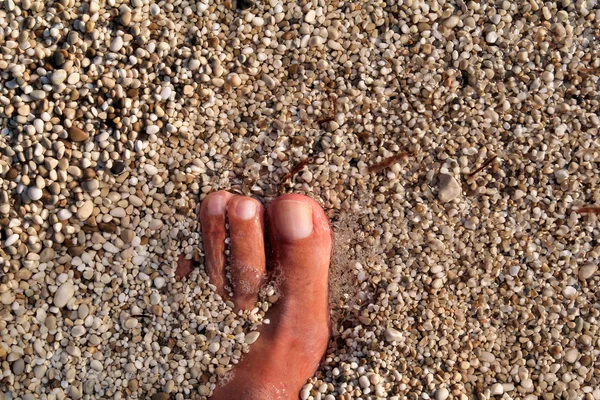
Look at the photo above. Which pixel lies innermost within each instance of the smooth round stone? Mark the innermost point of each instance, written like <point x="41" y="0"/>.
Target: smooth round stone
<point x="214" y="347"/>
<point x="364" y="382"/>
<point x="74" y="78"/>
<point x="165" y="93"/>
<point x="64" y="214"/>
<point x="586" y="271"/>
<point x="40" y="371"/>
<point x="155" y="224"/>
<point x="34" y="193"/>
<point x="571" y="355"/>
<point x="570" y="292"/>
<point x="118" y="167"/>
<point x="304" y="394"/>
<point x="193" y="64"/>
<point x="497" y="389"/>
<point x="127" y="235"/>
<point x="451" y="21"/>
<point x="47" y="254"/>
<point x="154" y="298"/>
<point x="135" y="201"/>
<point x="152" y="129"/>
<point x="310" y="16"/>
<point x="561" y="175"/>
<point x="58" y="58"/>
<point x="527" y="384"/>
<point x="74" y="351"/>
<point x="18" y="366"/>
<point x="442" y="394"/>
<point x="37" y="94"/>
<point x="126" y="15"/>
<point x="96" y="365"/>
<point x="7" y="298"/>
<point x="131" y="323"/>
<point x="12" y="239"/>
<point x="111" y="248"/>
<point x="491" y="37"/>
<point x="85" y="211"/>
<point x="234" y="80"/>
<point x="251" y="337"/>
<point x="258" y="21"/>
<point x="50" y="323"/>
<point x="159" y="282"/>
<point x="487" y="357"/>
<point x="78" y="331"/>
<point x="118" y="212"/>
<point x="116" y="44"/>
<point x="77" y="135"/>
<point x="83" y="311"/>
<point x="65" y="292"/>
<point x="315" y="41"/>
<point x="74" y="392"/>
<point x="91" y="185"/>
<point x="150" y="169"/>
<point x="58" y="76"/>
<point x="154" y="9"/>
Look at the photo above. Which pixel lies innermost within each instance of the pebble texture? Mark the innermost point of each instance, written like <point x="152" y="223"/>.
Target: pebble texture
<point x="453" y="144"/>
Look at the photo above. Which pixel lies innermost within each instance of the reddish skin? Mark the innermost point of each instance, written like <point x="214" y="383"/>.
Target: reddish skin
<point x="184" y="267"/>
<point x="289" y="349"/>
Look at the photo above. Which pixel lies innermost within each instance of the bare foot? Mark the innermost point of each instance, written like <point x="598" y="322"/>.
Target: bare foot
<point x="288" y="349"/>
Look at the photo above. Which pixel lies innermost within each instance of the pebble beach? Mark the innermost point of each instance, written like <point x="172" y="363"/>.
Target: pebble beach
<point x="454" y="146"/>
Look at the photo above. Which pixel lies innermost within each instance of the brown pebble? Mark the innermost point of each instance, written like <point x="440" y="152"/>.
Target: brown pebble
<point x="156" y="310"/>
<point x="133" y="385"/>
<point x="160" y="396"/>
<point x="12" y="174"/>
<point x="294" y="69"/>
<point x="109" y="227"/>
<point x="585" y="360"/>
<point x="76" y="251"/>
<point x="127" y="235"/>
<point x="89" y="173"/>
<point x="289" y="35"/>
<point x="213" y="42"/>
<point x="47" y="254"/>
<point x="298" y="140"/>
<point x="23" y="274"/>
<point x="77" y="135"/>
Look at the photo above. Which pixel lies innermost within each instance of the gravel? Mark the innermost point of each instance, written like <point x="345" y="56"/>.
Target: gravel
<point x="453" y="144"/>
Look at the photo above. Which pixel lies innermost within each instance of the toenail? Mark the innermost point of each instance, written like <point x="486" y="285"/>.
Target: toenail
<point x="216" y="205"/>
<point x="246" y="209"/>
<point x="293" y="219"/>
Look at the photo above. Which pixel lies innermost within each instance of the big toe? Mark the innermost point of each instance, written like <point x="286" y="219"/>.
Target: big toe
<point x="300" y="238"/>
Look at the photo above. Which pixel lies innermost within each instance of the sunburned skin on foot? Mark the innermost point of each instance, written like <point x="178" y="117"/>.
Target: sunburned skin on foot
<point x="288" y="350"/>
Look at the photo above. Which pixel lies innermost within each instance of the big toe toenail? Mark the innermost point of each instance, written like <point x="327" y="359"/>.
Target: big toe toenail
<point x="293" y="219"/>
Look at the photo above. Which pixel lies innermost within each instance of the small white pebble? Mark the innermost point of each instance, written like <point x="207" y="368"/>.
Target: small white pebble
<point x="252" y="337"/>
<point x="154" y="9"/>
